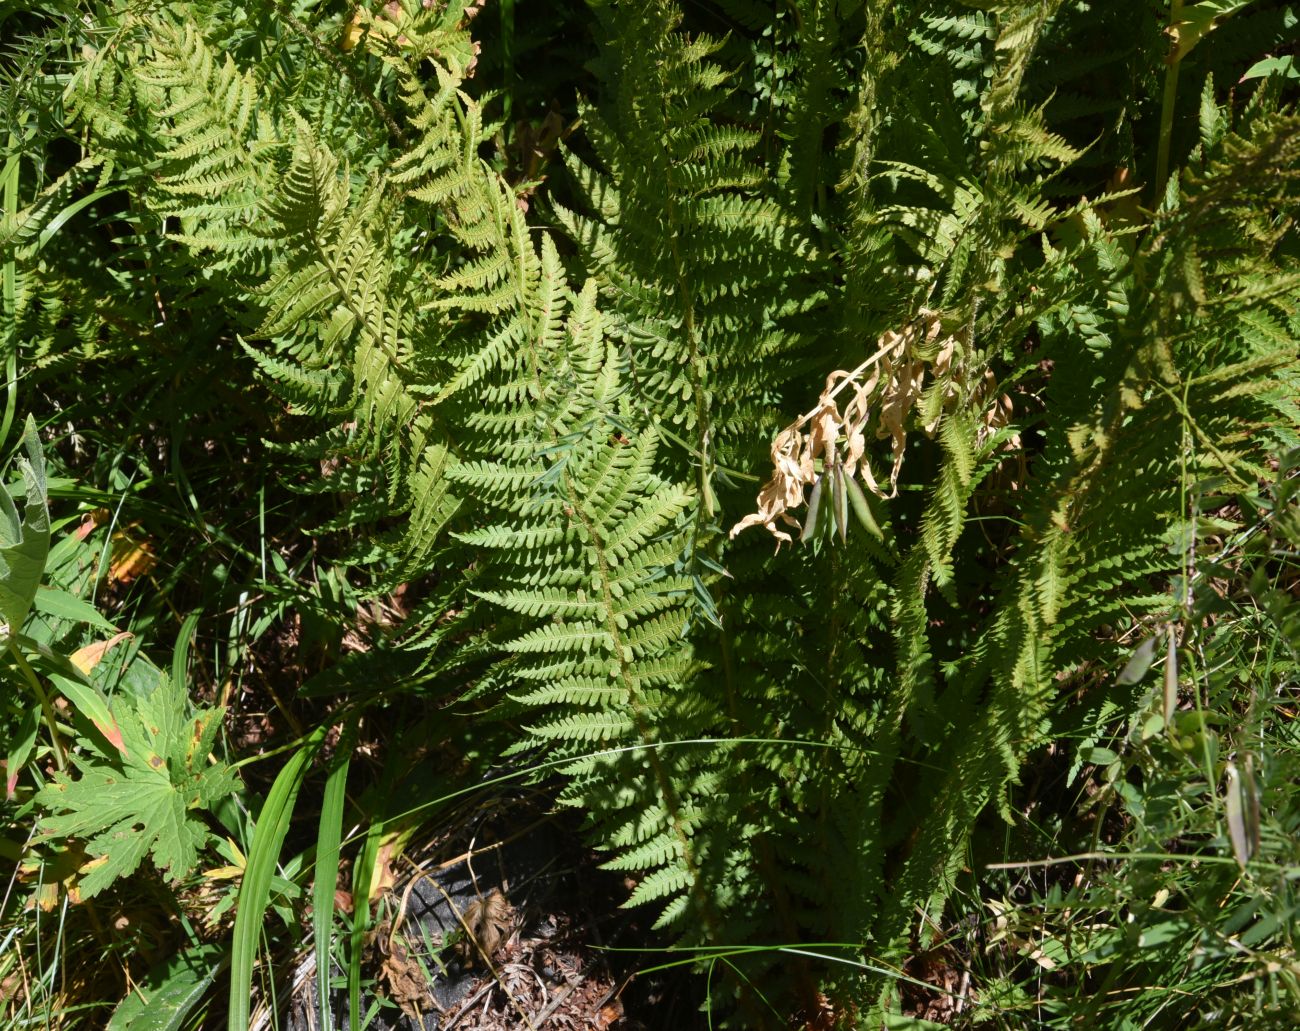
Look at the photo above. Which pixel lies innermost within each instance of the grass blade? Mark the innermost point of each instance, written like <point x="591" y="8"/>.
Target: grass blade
<point x="327" y="872"/>
<point x="181" y="650"/>
<point x="361" y="872"/>
<point x="255" y="888"/>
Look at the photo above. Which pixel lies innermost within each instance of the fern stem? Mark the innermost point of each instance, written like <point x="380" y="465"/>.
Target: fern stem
<point x="1180" y="403"/>
<point x="641" y="719"/>
<point x="695" y="365"/>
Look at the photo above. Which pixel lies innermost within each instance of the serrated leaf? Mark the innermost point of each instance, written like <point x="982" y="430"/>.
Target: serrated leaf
<point x="143" y="802"/>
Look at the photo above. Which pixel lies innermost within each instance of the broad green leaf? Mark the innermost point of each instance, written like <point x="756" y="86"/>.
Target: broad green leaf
<point x="25" y="539"/>
<point x="142" y="802"/>
<point x="62" y="605"/>
<point x="172" y="990"/>
<point x="1282" y="66"/>
<point x="1197" y="21"/>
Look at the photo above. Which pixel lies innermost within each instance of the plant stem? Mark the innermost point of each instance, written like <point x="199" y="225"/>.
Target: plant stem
<point x="47" y="710"/>
<point x="1172" y="65"/>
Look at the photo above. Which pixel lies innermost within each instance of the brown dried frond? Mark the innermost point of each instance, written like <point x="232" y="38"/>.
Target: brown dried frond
<point x="887" y="385"/>
<point x="912" y="376"/>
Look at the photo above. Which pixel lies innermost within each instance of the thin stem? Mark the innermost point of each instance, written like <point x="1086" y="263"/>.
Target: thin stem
<point x="47" y="710"/>
<point x="1170" y="97"/>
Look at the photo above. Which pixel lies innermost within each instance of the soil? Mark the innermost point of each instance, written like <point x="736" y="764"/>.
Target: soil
<point x="518" y="929"/>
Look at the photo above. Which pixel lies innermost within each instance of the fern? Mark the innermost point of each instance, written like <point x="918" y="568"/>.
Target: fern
<point x="553" y="423"/>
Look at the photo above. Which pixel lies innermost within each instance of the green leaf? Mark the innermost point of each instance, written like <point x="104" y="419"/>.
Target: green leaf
<point x="25" y="539"/>
<point x="90" y="702"/>
<point x="62" y="605"/>
<point x="255" y="888"/>
<point x="1281" y="66"/>
<point x="142" y="802"/>
<point x="327" y="869"/>
<point x="174" y="987"/>
<point x="1198" y="20"/>
<point x="1136" y="667"/>
<point x="21" y="745"/>
<point x="85" y="697"/>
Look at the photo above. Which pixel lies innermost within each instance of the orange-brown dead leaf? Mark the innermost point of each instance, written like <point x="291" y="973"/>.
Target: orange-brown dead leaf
<point x="608" y="1015"/>
<point x="90" y="522"/>
<point x="129" y="558"/>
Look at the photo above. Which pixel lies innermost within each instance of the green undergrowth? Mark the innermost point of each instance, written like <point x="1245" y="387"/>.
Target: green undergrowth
<point x="843" y="451"/>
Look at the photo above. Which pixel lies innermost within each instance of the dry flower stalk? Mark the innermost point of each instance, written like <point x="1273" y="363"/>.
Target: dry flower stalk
<point x="895" y="379"/>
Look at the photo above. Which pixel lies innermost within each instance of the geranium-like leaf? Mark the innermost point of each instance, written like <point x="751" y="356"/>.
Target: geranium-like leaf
<point x="146" y="801"/>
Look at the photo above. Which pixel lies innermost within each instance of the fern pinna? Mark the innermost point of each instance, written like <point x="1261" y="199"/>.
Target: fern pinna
<point x="1030" y="359"/>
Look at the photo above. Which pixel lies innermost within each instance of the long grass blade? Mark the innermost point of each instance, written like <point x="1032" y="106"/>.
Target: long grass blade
<point x="255" y="888"/>
<point x="181" y="650"/>
<point x="362" y="871"/>
<point x="327" y="873"/>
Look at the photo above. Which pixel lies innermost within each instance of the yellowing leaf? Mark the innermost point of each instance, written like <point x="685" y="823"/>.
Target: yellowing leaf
<point x="130" y="558"/>
<point x="91" y="703"/>
<point x="87" y="658"/>
<point x="91" y="522"/>
<point x="353" y="33"/>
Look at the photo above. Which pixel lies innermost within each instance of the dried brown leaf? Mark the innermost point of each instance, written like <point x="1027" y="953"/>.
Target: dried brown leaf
<point x="490" y="920"/>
